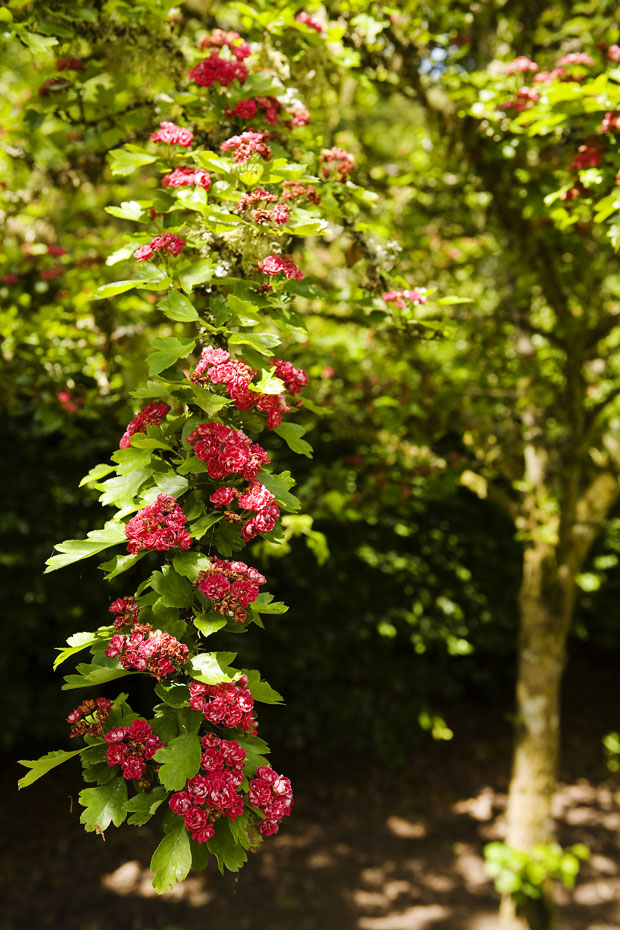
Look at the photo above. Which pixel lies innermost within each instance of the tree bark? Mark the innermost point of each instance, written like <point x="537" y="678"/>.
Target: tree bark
<point x="546" y="603"/>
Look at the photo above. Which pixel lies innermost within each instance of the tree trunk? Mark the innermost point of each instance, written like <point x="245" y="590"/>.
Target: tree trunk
<point x="546" y="604"/>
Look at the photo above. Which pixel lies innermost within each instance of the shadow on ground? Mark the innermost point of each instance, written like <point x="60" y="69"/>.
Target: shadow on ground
<point x="383" y="853"/>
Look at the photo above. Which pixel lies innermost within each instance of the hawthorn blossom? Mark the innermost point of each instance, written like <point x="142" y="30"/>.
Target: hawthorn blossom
<point x="152" y="415"/>
<point x="273" y="795"/>
<point x="172" y="134"/>
<point x="174" y="245"/>
<point x="207" y="797"/>
<point x="307" y="20"/>
<point x="230" y="586"/>
<point x="227" y="451"/>
<point x="247" y="144"/>
<point x="276" y="264"/>
<point x="336" y="158"/>
<point x="158" y="527"/>
<point x="521" y="64"/>
<point x="218" y="70"/>
<point x="187" y="177"/>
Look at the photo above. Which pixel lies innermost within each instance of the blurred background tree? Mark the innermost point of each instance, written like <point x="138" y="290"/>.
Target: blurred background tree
<point x="465" y="473"/>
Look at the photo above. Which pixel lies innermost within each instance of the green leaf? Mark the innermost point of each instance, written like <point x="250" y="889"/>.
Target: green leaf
<point x="256" y="751"/>
<point x="189" y="564"/>
<point x="96" y="474"/>
<point x="143" y="805"/>
<point x="177" y="307"/>
<point x="269" y="383"/>
<point x="291" y="433"/>
<point x="90" y="676"/>
<point x="208" y="401"/>
<point x="244" y="311"/>
<point x="103" y="805"/>
<point x="180" y="760"/>
<point x="168" y="350"/>
<point x="197" y="273"/>
<point x="174" y="694"/>
<point x="124" y="163"/>
<point x="261" y="342"/>
<point x="128" y="210"/>
<point x="140" y="441"/>
<point x="40" y="767"/>
<point x="212" y="667"/>
<point x="209" y="623"/>
<point x="279" y="486"/>
<point x="76" y="643"/>
<point x="119" y="564"/>
<point x="261" y="690"/>
<point x="174" y="590"/>
<point x="172" y="859"/>
<point x="117" y="287"/>
<point x="198" y="529"/>
<point x="73" y="550"/>
<point x="229" y="854"/>
<point x="35" y="42"/>
<point x="265" y="604"/>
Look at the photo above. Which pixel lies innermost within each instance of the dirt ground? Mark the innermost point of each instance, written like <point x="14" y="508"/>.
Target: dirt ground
<point x="361" y="852"/>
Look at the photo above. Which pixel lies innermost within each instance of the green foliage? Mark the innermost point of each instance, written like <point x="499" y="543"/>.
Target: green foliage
<point x="524" y="875"/>
<point x="172" y="859"/>
<point x="103" y="805"/>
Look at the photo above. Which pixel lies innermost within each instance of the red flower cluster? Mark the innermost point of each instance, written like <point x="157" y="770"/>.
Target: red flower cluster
<point x="167" y="241"/>
<point x="232" y="586"/>
<point x="152" y="415"/>
<point x="100" y="709"/>
<point x="279" y="215"/>
<point x="148" y="650"/>
<point x="258" y="499"/>
<point x="208" y="797"/>
<point x="547" y="77"/>
<point x="294" y="378"/>
<point x="307" y="20"/>
<point x="273" y="795"/>
<point x="300" y="116"/>
<point x="521" y="64"/>
<point x="69" y="64"/>
<point x="575" y="58"/>
<point x="253" y="198"/>
<point x="228" y="704"/>
<point x="217" y="70"/>
<point x="232" y="40"/>
<point x="343" y="163"/>
<point x="187" y="177"/>
<point x="65" y="399"/>
<point x="298" y="190"/>
<point x="577" y="190"/>
<point x="588" y="156"/>
<point x="526" y="98"/>
<point x="227" y="451"/>
<point x="53" y="85"/>
<point x="611" y="122"/>
<point x="132" y="747"/>
<point x="248" y="144"/>
<point x="274" y="264"/>
<point x="126" y="611"/>
<point x="172" y="134"/>
<point x="218" y="367"/>
<point x="56" y="250"/>
<point x="159" y="526"/>
<point x="613" y="52"/>
<point x="247" y="109"/>
<point x="398" y="298"/>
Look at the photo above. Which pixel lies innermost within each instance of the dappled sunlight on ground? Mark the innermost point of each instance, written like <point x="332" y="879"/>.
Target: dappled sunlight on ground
<point x="386" y="856"/>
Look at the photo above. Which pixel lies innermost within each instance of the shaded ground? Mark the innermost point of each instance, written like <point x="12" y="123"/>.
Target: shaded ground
<point x="395" y="853"/>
